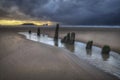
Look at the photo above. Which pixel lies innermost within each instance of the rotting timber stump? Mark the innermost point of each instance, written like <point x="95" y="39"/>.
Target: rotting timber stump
<point x="106" y="49"/>
<point x="69" y="38"/>
<point x="56" y="32"/>
<point x="38" y="31"/>
<point x="89" y="45"/>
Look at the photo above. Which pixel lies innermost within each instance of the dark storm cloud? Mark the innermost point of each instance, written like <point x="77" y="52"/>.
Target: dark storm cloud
<point x="64" y="11"/>
<point x="3" y="13"/>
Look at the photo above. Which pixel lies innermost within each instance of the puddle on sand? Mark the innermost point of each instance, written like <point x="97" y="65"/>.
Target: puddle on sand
<point x="109" y="63"/>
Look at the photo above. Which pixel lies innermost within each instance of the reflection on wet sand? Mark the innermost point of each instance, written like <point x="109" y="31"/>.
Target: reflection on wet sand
<point x="105" y="56"/>
<point x="107" y="62"/>
<point x="30" y="36"/>
<point x="89" y="52"/>
<point x="56" y="43"/>
<point x="38" y="38"/>
<point x="70" y="47"/>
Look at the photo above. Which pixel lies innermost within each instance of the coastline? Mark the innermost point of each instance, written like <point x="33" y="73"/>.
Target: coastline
<point x="100" y="36"/>
<point x="28" y="58"/>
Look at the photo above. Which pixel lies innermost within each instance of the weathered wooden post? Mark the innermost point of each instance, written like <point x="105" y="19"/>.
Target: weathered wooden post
<point x="56" y="32"/>
<point x="106" y="49"/>
<point x="64" y="40"/>
<point x="29" y="31"/>
<point x="68" y="38"/>
<point x="38" y="31"/>
<point x="89" y="45"/>
<point x="72" y="40"/>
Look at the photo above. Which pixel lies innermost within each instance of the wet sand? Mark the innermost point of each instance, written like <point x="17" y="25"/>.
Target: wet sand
<point x="100" y="36"/>
<point x="21" y="59"/>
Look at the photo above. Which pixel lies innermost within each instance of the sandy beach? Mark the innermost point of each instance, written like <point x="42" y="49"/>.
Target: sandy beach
<point x="100" y="36"/>
<point x="22" y="59"/>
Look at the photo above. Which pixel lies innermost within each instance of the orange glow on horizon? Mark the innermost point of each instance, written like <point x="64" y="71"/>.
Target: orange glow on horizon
<point x="19" y="22"/>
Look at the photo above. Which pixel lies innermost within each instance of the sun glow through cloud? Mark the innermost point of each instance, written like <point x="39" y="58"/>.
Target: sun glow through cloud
<point x="20" y="22"/>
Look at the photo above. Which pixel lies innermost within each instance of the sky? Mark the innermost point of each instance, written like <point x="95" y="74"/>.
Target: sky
<point x="70" y="12"/>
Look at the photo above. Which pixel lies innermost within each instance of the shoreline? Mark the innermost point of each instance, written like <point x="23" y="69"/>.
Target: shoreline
<point x="97" y="45"/>
<point x="27" y="62"/>
<point x="95" y="63"/>
<point x="80" y="33"/>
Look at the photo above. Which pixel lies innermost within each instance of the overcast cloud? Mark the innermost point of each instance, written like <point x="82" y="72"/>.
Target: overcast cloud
<point x="78" y="12"/>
